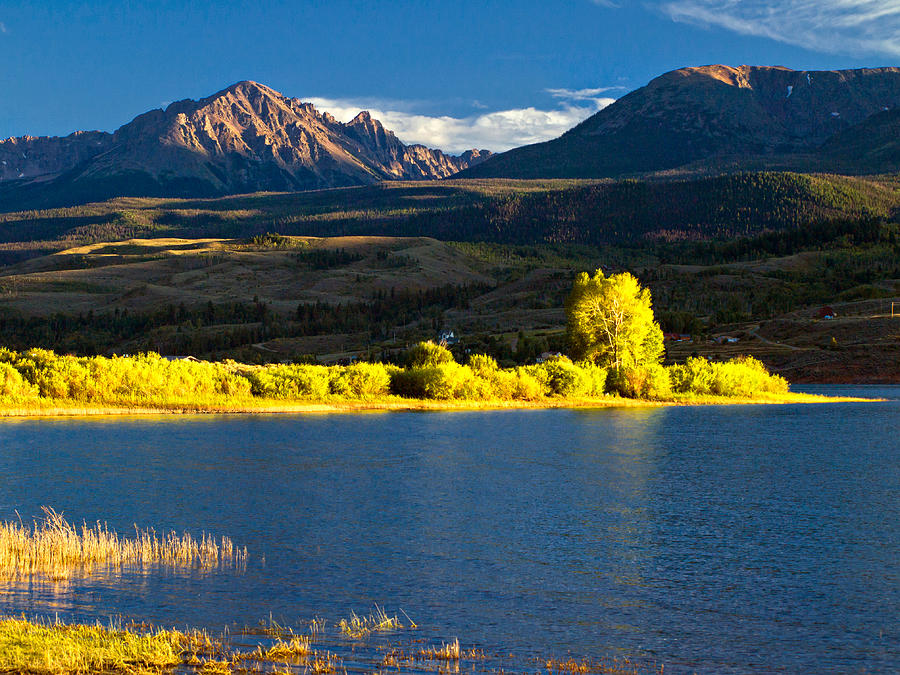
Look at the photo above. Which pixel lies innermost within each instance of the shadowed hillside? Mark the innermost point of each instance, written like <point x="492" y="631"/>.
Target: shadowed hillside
<point x="714" y="118"/>
<point x="520" y="212"/>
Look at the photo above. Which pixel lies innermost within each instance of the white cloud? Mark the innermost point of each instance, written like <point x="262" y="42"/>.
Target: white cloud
<point x="496" y="131"/>
<point x="581" y="94"/>
<point x="837" y="26"/>
<point x="3" y="28"/>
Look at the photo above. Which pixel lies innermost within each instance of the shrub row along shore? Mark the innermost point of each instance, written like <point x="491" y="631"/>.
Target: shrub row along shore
<point x="40" y="381"/>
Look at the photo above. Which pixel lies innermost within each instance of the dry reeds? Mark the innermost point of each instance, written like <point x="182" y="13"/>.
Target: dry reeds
<point x="55" y="548"/>
<point x="448" y="651"/>
<point x="591" y="667"/>
<point x="448" y="657"/>
<point x="298" y="647"/>
<point x="359" y="627"/>
<point x="324" y="664"/>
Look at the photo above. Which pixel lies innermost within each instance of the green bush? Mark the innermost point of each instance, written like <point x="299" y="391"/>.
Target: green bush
<point x="502" y="385"/>
<point x="743" y="376"/>
<point x="695" y="375"/>
<point x="290" y="382"/>
<point x="427" y="354"/>
<point x="528" y="388"/>
<point x="649" y="381"/>
<point x="411" y="382"/>
<point x="13" y="387"/>
<point x="148" y="379"/>
<point x="483" y="365"/>
<point x="596" y="377"/>
<point x="746" y="377"/>
<point x="561" y="377"/>
<point x="360" y="380"/>
<point x="140" y="379"/>
<point x="444" y="382"/>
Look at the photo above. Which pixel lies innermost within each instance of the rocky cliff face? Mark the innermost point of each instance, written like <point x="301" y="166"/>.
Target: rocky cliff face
<point x="32" y="156"/>
<point x="759" y="108"/>
<point x="404" y="161"/>
<point x="708" y="113"/>
<point x="247" y="137"/>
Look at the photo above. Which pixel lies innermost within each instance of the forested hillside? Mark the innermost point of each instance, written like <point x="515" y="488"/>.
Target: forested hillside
<point x="521" y="212"/>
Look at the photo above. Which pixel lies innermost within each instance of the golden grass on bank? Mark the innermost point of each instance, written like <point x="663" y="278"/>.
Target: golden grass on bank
<point x="322" y="664"/>
<point x="38" y="649"/>
<point x="396" y="403"/>
<point x="35" y="648"/>
<point x="55" y="548"/>
<point x="213" y="667"/>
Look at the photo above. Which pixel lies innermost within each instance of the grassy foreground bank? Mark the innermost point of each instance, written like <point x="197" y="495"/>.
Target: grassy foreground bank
<point x="34" y="648"/>
<point x="40" y="382"/>
<point x="27" y="647"/>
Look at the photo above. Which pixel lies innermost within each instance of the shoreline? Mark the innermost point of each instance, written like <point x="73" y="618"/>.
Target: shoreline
<point x="396" y="404"/>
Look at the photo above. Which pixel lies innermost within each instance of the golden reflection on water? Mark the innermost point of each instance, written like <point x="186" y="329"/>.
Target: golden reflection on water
<point x="629" y="444"/>
<point x="66" y="594"/>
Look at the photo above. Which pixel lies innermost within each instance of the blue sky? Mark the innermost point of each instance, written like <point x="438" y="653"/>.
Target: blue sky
<point x="489" y="73"/>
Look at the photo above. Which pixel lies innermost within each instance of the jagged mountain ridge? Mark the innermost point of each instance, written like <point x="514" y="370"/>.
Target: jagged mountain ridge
<point x="26" y="157"/>
<point x="247" y="137"/>
<point x="708" y="115"/>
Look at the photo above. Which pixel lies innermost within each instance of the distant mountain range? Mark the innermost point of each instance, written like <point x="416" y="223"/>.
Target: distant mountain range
<point x="717" y="119"/>
<point x="245" y="138"/>
<point x="690" y="122"/>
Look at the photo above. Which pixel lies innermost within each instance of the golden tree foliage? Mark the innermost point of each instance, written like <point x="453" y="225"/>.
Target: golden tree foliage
<point x="610" y="321"/>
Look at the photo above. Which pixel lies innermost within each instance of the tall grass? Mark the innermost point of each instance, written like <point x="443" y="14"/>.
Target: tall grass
<point x="55" y="548"/>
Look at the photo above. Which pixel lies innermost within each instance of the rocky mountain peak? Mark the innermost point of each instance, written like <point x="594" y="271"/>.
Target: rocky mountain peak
<point x="706" y="116"/>
<point x="243" y="138"/>
<point x="363" y="117"/>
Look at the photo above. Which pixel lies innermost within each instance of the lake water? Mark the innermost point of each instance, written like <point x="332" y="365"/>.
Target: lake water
<point x="709" y="539"/>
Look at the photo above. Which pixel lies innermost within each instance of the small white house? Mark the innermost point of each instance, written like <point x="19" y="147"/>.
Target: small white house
<point x="447" y="338"/>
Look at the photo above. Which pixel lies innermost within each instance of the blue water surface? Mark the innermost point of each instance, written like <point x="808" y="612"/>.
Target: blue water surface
<point x="713" y="539"/>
